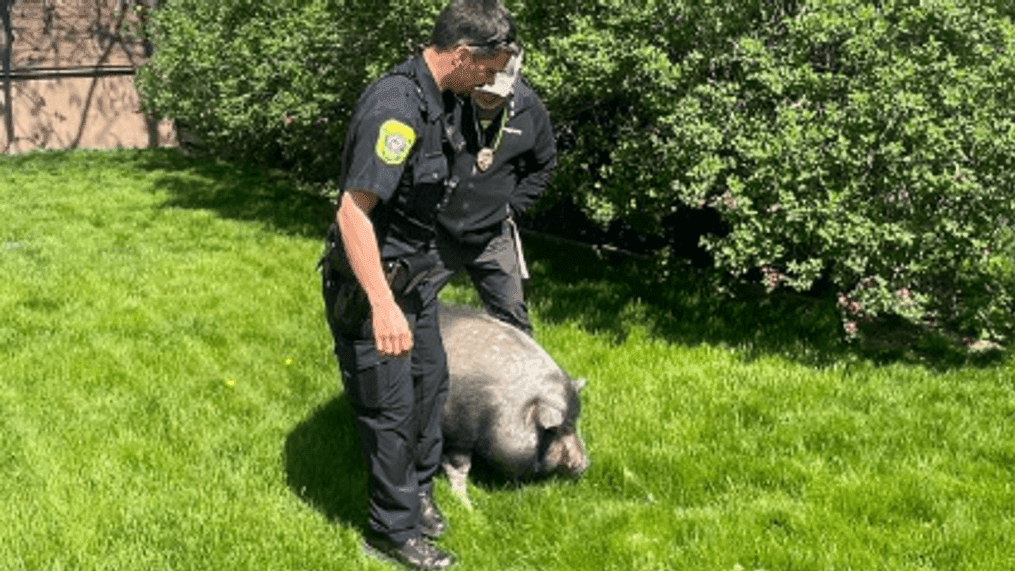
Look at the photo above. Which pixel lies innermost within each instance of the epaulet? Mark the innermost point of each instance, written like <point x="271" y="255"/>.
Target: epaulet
<point x="405" y="69"/>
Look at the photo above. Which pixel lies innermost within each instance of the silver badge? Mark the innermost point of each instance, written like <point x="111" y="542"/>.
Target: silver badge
<point x="484" y="159"/>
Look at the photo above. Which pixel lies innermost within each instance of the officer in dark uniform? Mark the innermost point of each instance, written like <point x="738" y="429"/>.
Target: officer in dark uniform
<point x="396" y="163"/>
<point x="506" y="164"/>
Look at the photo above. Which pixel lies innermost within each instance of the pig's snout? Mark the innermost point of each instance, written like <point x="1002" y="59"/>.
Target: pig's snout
<point x="566" y="454"/>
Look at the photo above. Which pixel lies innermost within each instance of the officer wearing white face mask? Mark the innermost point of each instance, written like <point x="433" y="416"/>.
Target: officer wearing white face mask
<point x="507" y="162"/>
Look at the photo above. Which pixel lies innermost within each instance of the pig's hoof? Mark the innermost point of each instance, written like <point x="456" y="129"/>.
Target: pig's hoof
<point x="464" y="497"/>
<point x="457" y="473"/>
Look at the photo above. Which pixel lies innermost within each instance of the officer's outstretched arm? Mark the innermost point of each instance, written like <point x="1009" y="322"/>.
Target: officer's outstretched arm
<point x="391" y="331"/>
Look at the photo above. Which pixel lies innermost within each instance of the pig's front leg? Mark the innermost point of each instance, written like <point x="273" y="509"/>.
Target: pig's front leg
<point x="456" y="466"/>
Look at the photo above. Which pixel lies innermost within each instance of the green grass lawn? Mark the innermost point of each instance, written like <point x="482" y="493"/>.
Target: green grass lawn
<point x="169" y="400"/>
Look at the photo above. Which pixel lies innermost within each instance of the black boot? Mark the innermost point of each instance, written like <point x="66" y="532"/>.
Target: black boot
<point x="415" y="553"/>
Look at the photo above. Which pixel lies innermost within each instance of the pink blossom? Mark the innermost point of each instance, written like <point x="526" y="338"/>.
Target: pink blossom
<point x="850" y="305"/>
<point x="773" y="277"/>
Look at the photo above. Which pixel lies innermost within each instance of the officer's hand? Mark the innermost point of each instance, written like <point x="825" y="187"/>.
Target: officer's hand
<point x="392" y="337"/>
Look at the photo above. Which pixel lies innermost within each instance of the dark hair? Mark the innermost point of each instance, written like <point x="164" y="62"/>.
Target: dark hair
<point x="483" y="25"/>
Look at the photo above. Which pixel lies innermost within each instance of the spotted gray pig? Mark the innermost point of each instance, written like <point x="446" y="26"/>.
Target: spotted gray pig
<point x="508" y="402"/>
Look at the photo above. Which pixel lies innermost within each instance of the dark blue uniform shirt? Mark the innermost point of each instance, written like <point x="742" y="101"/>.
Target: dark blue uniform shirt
<point x="395" y="148"/>
<point x="522" y="167"/>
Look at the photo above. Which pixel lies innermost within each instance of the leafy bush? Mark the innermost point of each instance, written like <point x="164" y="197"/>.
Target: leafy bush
<point x="865" y="143"/>
<point x="274" y="82"/>
<point x="869" y="143"/>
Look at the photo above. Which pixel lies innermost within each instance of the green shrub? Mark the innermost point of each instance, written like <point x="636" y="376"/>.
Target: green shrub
<point x="274" y="82"/>
<point x="866" y="143"/>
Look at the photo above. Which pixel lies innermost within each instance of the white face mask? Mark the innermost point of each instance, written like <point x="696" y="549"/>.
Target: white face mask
<point x="504" y="82"/>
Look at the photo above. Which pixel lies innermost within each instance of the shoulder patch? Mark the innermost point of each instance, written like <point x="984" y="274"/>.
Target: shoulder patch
<point x="394" y="141"/>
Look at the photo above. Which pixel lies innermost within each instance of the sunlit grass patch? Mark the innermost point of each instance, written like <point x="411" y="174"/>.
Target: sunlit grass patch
<point x="169" y="400"/>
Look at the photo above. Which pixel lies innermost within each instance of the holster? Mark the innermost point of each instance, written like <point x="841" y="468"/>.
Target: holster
<point x="334" y="255"/>
<point x="405" y="274"/>
<point x="402" y="274"/>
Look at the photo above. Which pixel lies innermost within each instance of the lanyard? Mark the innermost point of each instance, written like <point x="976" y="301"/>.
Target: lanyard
<point x="500" y="130"/>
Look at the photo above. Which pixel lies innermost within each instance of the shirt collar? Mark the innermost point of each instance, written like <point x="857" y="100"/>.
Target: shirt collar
<point x="434" y="98"/>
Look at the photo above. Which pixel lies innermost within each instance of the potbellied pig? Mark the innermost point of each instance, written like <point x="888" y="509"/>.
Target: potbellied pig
<point x="508" y="402"/>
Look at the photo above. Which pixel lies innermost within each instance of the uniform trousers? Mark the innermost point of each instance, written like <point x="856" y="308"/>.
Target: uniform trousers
<point x="397" y="401"/>
<point x="497" y="269"/>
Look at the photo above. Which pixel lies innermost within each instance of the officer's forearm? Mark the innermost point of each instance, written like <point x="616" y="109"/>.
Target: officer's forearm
<point x="528" y="192"/>
<point x="539" y="164"/>
<point x="361" y="247"/>
<point x="531" y="187"/>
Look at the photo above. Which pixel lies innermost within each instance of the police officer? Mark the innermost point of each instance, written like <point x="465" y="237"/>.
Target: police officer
<point x="396" y="162"/>
<point x="507" y="162"/>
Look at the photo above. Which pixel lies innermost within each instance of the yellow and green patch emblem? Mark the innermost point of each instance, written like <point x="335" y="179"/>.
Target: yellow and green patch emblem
<point x="394" y="141"/>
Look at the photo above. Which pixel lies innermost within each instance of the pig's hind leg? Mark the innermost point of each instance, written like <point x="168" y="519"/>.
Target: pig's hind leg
<point x="456" y="466"/>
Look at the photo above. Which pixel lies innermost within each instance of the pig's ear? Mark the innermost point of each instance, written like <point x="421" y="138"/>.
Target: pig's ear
<point x="549" y="417"/>
<point x="579" y="384"/>
<point x="530" y="413"/>
<point x="543" y="416"/>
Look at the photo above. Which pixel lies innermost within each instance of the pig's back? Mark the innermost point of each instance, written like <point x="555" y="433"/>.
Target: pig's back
<point x="478" y="345"/>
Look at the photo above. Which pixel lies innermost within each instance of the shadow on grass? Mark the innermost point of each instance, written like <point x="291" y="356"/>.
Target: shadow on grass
<point x="324" y="466"/>
<point x="239" y="192"/>
<point x="487" y="477"/>
<point x="596" y="290"/>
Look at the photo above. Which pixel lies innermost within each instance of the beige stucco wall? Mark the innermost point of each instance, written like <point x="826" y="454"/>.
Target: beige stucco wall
<point x="67" y="112"/>
<point x="102" y="112"/>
